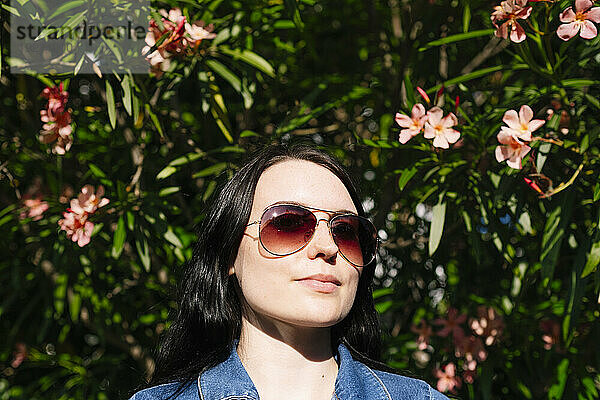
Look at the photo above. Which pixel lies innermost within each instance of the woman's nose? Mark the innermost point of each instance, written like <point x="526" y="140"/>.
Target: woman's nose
<point x="322" y="244"/>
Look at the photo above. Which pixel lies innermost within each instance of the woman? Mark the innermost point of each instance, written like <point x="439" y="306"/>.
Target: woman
<point x="276" y="302"/>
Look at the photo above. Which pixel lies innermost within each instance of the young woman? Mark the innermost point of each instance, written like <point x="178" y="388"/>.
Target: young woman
<point x="276" y="302"/>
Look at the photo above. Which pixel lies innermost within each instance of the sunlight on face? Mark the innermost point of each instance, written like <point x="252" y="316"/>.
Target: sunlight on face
<point x="270" y="284"/>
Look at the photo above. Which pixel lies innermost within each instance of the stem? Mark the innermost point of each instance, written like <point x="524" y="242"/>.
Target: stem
<point x="553" y="141"/>
<point x="565" y="185"/>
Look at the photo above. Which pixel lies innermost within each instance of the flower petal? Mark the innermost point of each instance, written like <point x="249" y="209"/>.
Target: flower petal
<point x="418" y="111"/>
<point x="517" y="33"/>
<point x="451" y="135"/>
<point x="525" y="114"/>
<point x="588" y="30"/>
<point x="429" y="131"/>
<point x="434" y="116"/>
<point x="582" y="5"/>
<point x="405" y="136"/>
<point x="567" y="31"/>
<point x="593" y="15"/>
<point x="441" y="142"/>
<point x="567" y="15"/>
<point x="403" y="120"/>
<point x="536" y="124"/>
<point x="502" y="153"/>
<point x="511" y="118"/>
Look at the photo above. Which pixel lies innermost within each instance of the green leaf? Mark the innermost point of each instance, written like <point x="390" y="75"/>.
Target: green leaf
<point x="186" y="159"/>
<point x="119" y="238"/>
<point x="437" y="224"/>
<point x="130" y="220"/>
<point x="110" y="103"/>
<point x="597" y="192"/>
<point x="155" y="121"/>
<point x="212" y="170"/>
<point x="542" y="154"/>
<point x="578" y="82"/>
<point x="383" y="306"/>
<point x="382" y="292"/>
<point x="457" y="38"/>
<point x="595" y="102"/>
<point x="96" y="171"/>
<point x="410" y="91"/>
<point x="557" y="389"/>
<point x="141" y="244"/>
<point x="74" y="306"/>
<point x="292" y="9"/>
<point x="126" y="85"/>
<point x="554" y="232"/>
<point x="406" y="176"/>
<point x="172" y="238"/>
<point x="168" y="190"/>
<point x="466" y="18"/>
<point x="593" y="259"/>
<point x="167" y="171"/>
<point x="66" y="7"/>
<point x="225" y="73"/>
<point x="11" y="10"/>
<point x="233" y="80"/>
<point x="79" y="65"/>
<point x="250" y="58"/>
<point x="478" y="74"/>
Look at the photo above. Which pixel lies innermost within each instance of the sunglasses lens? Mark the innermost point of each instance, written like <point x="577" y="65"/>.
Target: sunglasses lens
<point x="285" y="229"/>
<point x="355" y="237"/>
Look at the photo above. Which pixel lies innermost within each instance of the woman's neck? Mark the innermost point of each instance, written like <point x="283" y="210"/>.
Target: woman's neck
<point x="280" y="358"/>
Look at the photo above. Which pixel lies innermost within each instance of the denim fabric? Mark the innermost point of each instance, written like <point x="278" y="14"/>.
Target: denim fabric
<point x="355" y="381"/>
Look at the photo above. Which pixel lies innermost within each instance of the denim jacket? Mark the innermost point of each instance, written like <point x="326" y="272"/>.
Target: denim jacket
<point x="355" y="381"/>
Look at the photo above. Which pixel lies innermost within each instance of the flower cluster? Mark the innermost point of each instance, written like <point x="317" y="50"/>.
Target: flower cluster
<point x="579" y="20"/>
<point x="435" y="125"/>
<point x="75" y="223"/>
<point x="57" y="120"/>
<point x="469" y="349"/>
<point x="509" y="12"/>
<point x="515" y="137"/>
<point x="33" y="205"/>
<point x="176" y="37"/>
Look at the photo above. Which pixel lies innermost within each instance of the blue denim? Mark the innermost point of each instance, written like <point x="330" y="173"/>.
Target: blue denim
<point x="230" y="381"/>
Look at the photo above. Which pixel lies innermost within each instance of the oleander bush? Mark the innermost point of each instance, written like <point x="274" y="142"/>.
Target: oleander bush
<point x="472" y="126"/>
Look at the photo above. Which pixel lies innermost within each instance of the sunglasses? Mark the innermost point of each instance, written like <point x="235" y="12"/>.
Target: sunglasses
<point x="287" y="228"/>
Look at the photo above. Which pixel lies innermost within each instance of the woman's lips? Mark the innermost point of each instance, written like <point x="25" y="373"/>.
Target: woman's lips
<point x="319" y="286"/>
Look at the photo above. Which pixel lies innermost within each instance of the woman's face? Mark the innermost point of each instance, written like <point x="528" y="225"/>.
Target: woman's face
<point x="271" y="285"/>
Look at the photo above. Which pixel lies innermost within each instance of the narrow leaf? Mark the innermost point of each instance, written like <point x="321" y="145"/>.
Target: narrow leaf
<point x="119" y="238"/>
<point x="437" y="224"/>
<point x="110" y="103"/>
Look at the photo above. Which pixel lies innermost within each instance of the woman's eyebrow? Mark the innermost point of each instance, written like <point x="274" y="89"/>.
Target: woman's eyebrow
<point x="342" y="211"/>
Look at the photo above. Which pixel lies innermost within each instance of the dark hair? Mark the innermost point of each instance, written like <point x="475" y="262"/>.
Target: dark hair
<point x="209" y="316"/>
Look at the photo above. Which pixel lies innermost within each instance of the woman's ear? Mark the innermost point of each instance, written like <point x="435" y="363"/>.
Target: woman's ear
<point x="231" y="271"/>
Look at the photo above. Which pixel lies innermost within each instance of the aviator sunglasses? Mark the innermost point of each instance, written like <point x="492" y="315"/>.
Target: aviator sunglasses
<point x="287" y="228"/>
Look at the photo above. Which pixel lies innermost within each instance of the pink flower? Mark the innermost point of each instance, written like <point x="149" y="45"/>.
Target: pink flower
<point x="447" y="379"/>
<point x="440" y="129"/>
<point x="471" y="348"/>
<point x="509" y="11"/>
<point x="452" y="324"/>
<point x="181" y="36"/>
<point x="196" y="32"/>
<point x="521" y="125"/>
<point x="579" y="21"/>
<point x="57" y="120"/>
<point x="414" y="123"/>
<point x="424" y="332"/>
<point x="75" y="221"/>
<point x="88" y="201"/>
<point x="551" y="336"/>
<point x="20" y="354"/>
<point x="78" y="228"/>
<point x="511" y="149"/>
<point x="488" y="325"/>
<point x="34" y="208"/>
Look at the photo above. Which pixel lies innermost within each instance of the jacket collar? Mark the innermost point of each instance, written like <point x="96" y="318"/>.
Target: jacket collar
<point x="230" y="379"/>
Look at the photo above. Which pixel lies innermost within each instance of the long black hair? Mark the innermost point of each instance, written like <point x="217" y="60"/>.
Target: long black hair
<point x="208" y="319"/>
